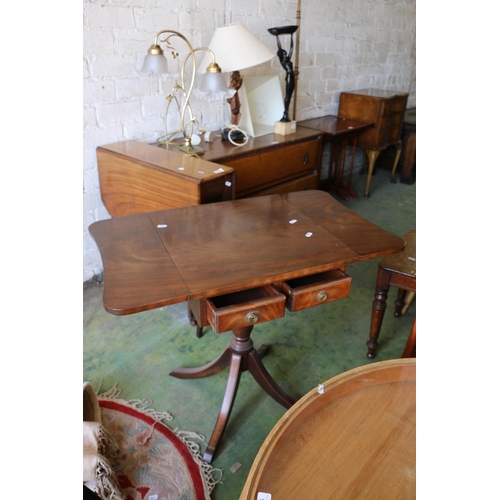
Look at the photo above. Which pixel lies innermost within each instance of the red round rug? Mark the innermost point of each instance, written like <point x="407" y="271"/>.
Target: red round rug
<point x="155" y="463"/>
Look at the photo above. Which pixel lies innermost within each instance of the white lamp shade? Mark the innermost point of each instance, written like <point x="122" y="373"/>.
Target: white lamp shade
<point x="235" y="48"/>
<point x="155" y="63"/>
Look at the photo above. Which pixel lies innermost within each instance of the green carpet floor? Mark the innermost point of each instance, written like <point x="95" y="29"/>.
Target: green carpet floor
<point x="307" y="348"/>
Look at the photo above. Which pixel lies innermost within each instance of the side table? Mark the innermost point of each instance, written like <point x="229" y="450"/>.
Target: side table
<point x="383" y="108"/>
<point x="137" y="177"/>
<point x="342" y="133"/>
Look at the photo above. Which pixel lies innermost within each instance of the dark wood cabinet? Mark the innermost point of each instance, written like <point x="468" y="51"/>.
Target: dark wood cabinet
<point x="386" y="109"/>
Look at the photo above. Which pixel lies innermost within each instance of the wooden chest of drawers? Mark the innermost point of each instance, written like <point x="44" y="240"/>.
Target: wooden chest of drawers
<point x="272" y="163"/>
<point x="386" y="109"/>
<point x="136" y="177"/>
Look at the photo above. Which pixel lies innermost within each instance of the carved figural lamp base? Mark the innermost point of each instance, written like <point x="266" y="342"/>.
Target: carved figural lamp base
<point x="285" y="125"/>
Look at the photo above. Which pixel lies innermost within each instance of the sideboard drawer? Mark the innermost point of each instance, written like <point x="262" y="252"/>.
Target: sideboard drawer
<point x="258" y="172"/>
<point x="246" y="308"/>
<point x="310" y="291"/>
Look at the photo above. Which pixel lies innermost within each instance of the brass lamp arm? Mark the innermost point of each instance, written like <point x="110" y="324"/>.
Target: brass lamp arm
<point x="186" y="91"/>
<point x="213" y="67"/>
<point x="156" y="48"/>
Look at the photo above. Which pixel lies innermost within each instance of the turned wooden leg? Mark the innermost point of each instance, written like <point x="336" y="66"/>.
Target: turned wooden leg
<point x="399" y="148"/>
<point x="372" y="158"/>
<point x="400" y="302"/>
<point x="378" y="310"/>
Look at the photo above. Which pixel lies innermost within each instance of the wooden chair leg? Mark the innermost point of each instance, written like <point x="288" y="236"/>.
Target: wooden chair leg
<point x="410" y="350"/>
<point x="400" y="302"/>
<point x="378" y="309"/>
<point x="408" y="300"/>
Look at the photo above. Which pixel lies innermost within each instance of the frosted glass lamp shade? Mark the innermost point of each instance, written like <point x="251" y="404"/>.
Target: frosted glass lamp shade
<point x="236" y="48"/>
<point x="213" y="83"/>
<point x="155" y="63"/>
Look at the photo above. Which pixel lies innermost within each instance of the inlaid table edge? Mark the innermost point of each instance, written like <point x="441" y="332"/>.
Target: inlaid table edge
<point x="249" y="490"/>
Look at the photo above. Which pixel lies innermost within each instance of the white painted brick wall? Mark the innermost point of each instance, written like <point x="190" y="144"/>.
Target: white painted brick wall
<point x="344" y="45"/>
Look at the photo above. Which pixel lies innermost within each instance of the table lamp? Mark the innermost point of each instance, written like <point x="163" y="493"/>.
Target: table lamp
<point x="237" y="49"/>
<point x="155" y="62"/>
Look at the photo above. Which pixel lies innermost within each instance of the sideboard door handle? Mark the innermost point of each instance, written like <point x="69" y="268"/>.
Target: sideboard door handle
<point x="306" y="158"/>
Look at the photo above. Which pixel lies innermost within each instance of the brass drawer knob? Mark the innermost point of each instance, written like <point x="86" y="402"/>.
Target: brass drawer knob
<point x="322" y="296"/>
<point x="252" y="317"/>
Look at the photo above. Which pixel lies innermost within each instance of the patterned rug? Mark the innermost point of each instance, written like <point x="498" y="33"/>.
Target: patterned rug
<point x="155" y="462"/>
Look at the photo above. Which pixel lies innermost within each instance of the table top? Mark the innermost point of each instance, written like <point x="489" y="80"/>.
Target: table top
<point x="161" y="258"/>
<point x="334" y="126"/>
<point x="356" y="439"/>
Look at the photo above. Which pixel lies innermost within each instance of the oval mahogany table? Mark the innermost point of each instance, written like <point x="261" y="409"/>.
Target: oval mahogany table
<point x="354" y="437"/>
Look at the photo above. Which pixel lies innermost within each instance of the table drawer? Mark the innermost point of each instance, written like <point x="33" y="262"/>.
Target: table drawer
<point x="310" y="291"/>
<point x="246" y="308"/>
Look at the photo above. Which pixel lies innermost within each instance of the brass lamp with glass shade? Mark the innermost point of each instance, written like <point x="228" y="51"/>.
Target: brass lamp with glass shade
<point x="155" y="62"/>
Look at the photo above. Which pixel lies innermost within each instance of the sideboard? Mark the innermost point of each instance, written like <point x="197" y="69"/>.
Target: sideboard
<point x="137" y="177"/>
